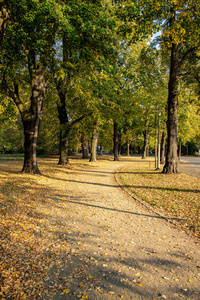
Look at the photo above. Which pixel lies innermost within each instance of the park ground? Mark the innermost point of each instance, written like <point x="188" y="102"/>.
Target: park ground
<point x="86" y="231"/>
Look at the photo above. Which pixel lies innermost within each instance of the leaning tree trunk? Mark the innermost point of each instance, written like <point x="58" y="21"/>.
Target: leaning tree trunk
<point x="95" y="136"/>
<point x="146" y="139"/>
<point x="162" y="148"/>
<point x="171" y="163"/>
<point x="32" y="120"/>
<point x="84" y="145"/>
<point x="116" y="142"/>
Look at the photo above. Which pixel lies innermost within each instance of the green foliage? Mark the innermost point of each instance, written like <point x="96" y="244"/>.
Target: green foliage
<point x="189" y="117"/>
<point x="97" y="53"/>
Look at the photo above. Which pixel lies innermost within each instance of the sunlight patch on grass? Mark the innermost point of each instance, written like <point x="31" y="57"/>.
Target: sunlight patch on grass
<point x="177" y="196"/>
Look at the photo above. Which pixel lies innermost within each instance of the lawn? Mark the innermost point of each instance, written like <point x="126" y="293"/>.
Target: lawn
<point x="175" y="196"/>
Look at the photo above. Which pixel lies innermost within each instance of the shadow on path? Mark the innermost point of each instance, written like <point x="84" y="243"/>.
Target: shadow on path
<point x="124" y="186"/>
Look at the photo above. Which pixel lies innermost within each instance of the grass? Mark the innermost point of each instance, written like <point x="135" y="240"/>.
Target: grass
<point x="176" y="196"/>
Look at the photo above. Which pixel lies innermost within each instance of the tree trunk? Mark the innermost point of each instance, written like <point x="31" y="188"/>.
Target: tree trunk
<point x="84" y="145"/>
<point x="31" y="129"/>
<point x="101" y="150"/>
<point x="32" y="121"/>
<point x="95" y="136"/>
<point x="146" y="139"/>
<point x="162" y="150"/>
<point x="128" y="147"/>
<point x="64" y="138"/>
<point x="171" y="163"/>
<point x="116" y="142"/>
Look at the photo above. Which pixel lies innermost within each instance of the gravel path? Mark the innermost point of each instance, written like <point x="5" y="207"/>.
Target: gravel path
<point x="118" y="248"/>
<point x="190" y="166"/>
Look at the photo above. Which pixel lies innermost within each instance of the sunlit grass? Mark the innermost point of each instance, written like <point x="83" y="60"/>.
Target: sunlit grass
<point x="177" y="196"/>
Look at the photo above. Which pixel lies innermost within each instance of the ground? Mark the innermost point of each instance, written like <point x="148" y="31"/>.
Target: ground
<point x="78" y="235"/>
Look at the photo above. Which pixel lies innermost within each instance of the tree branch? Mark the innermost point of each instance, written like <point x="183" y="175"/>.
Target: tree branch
<point x="185" y="56"/>
<point x="79" y="119"/>
<point x="12" y="94"/>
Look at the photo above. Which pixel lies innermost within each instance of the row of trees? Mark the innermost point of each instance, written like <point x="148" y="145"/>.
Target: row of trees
<point x="95" y="65"/>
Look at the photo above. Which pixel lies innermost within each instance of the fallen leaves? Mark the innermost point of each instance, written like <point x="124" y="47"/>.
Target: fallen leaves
<point x="39" y="246"/>
<point x="177" y="196"/>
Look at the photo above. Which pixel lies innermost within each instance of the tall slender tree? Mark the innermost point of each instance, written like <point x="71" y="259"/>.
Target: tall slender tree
<point x="179" y="23"/>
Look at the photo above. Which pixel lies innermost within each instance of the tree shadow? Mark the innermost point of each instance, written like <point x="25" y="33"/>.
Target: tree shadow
<point x="124" y="186"/>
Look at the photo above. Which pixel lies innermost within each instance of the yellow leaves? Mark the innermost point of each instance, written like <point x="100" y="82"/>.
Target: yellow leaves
<point x="81" y="284"/>
<point x="4" y="274"/>
<point x="66" y="291"/>
<point x="157" y="6"/>
<point x="111" y="293"/>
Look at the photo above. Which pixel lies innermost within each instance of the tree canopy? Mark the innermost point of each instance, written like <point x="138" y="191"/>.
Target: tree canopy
<point x="98" y="60"/>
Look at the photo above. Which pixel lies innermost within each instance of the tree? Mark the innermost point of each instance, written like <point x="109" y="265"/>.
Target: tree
<point x="27" y="47"/>
<point x="95" y="135"/>
<point x="179" y="23"/>
<point x="85" y="50"/>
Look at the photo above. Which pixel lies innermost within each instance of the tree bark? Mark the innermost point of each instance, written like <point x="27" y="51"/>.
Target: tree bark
<point x="4" y="18"/>
<point x="31" y="130"/>
<point x="32" y="120"/>
<point x="162" y="150"/>
<point x="63" y="153"/>
<point x="171" y="163"/>
<point x="95" y="136"/>
<point x="146" y="139"/>
<point x="84" y="145"/>
<point x="116" y="142"/>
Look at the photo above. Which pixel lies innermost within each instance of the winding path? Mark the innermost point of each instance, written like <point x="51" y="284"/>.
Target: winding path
<point x="118" y="248"/>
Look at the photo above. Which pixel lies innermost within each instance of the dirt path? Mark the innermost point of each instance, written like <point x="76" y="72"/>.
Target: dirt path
<point x="118" y="248"/>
